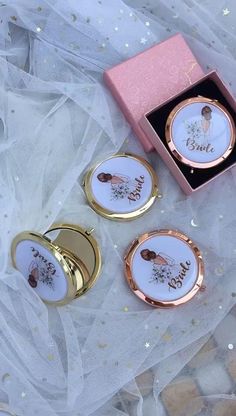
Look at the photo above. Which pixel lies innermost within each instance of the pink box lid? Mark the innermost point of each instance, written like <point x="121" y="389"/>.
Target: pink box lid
<point x="152" y="77"/>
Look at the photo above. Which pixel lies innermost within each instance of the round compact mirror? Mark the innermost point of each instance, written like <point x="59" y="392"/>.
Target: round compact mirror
<point x="60" y="265"/>
<point x="200" y="132"/>
<point x="122" y="187"/>
<point x="164" y="268"/>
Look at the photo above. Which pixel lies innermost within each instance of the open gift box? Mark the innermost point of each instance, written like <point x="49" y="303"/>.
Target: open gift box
<point x="149" y="85"/>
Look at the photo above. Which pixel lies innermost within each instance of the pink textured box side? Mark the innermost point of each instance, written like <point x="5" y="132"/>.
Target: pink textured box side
<point x="150" y="78"/>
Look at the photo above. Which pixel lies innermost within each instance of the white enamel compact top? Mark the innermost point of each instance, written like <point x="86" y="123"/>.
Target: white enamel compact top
<point x="45" y="272"/>
<point x="164" y="268"/>
<point x="200" y="132"/>
<point x="122" y="187"/>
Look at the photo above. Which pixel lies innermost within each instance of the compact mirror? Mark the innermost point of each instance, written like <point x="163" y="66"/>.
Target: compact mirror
<point x="200" y="132"/>
<point x="60" y="265"/>
<point x="164" y="268"/>
<point x="121" y="187"/>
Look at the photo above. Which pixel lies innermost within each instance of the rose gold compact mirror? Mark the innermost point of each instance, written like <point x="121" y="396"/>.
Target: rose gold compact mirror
<point x="164" y="268"/>
<point x="200" y="132"/>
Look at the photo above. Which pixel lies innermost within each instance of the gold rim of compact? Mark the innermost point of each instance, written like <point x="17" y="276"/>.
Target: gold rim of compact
<point x="133" y="201"/>
<point x="207" y="104"/>
<point x="65" y="259"/>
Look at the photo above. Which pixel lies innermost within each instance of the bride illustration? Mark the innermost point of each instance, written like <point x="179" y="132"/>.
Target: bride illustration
<point x="163" y="266"/>
<point x="120" y="184"/>
<point x="206" y="120"/>
<point x="38" y="272"/>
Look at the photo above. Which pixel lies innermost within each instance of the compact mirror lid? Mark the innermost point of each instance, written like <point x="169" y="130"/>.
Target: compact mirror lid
<point x="200" y="132"/>
<point x="122" y="187"/>
<point x="164" y="268"/>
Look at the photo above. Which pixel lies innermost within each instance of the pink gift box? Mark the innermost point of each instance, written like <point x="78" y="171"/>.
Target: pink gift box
<point x="150" y="78"/>
<point x="150" y="84"/>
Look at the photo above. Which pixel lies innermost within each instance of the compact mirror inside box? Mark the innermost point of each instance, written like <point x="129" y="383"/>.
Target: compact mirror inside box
<point x="213" y="161"/>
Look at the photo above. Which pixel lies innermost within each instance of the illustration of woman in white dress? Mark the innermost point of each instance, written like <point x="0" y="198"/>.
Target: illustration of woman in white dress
<point x="120" y="184"/>
<point x="163" y="266"/>
<point x="206" y="121"/>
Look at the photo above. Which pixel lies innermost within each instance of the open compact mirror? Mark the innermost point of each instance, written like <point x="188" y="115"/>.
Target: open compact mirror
<point x="61" y="264"/>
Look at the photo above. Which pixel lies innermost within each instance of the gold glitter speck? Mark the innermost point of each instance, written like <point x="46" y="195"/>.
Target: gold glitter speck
<point x="125" y="309"/>
<point x="167" y="337"/>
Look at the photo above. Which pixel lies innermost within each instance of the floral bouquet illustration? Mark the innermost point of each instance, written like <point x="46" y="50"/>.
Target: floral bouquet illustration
<point x="39" y="272"/>
<point x="163" y="266"/>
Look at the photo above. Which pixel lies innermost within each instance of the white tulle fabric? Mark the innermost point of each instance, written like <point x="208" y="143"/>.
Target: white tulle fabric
<point x="56" y="118"/>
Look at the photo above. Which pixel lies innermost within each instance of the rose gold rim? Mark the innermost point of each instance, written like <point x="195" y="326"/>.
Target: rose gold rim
<point x="172" y="147"/>
<point x="133" y="285"/>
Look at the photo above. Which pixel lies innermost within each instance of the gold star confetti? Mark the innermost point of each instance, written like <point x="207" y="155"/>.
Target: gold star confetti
<point x="147" y="344"/>
<point x="125" y="308"/>
<point x="226" y="11"/>
<point x="167" y="337"/>
<point x="50" y="357"/>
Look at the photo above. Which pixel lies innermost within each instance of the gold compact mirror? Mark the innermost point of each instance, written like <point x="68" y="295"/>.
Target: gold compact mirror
<point x="121" y="187"/>
<point x="200" y="132"/>
<point x="164" y="268"/>
<point x="60" y="265"/>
